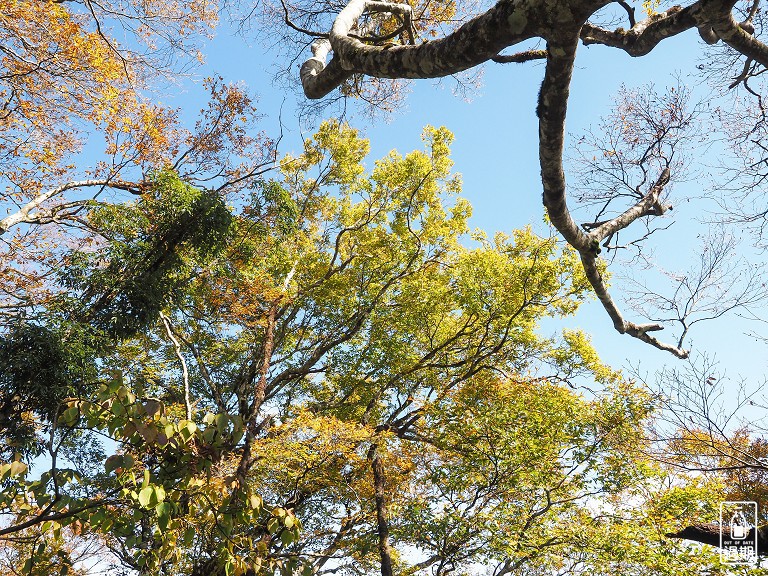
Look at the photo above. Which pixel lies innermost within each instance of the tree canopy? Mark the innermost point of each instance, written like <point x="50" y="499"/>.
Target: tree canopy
<point x="371" y="41"/>
<point x="218" y="360"/>
<point x="314" y="380"/>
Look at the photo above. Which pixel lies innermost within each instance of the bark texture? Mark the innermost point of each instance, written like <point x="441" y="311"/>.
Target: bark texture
<point x="507" y="23"/>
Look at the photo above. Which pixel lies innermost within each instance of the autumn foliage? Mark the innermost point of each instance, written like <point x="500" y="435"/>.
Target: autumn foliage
<point x="214" y="361"/>
<point x="321" y="374"/>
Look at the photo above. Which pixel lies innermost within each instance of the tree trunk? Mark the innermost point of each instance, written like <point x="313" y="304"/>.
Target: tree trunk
<point x="381" y="511"/>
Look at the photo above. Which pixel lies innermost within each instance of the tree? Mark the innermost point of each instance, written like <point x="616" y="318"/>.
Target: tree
<point x="322" y="378"/>
<point x="714" y="428"/>
<point x="77" y="124"/>
<point x="374" y="41"/>
<point x="205" y="371"/>
<point x="74" y="80"/>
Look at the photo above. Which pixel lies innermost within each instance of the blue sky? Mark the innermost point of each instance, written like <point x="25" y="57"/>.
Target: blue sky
<point x="496" y="152"/>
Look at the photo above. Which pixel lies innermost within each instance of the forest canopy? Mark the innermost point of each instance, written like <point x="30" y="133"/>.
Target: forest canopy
<point x="324" y="378"/>
<point x="217" y="358"/>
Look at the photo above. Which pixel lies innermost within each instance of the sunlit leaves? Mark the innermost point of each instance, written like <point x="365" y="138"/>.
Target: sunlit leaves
<point x="12" y="469"/>
<point x="332" y="319"/>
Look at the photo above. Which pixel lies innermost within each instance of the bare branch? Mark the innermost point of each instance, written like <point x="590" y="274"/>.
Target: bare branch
<point x="552" y="109"/>
<point x="649" y="205"/>
<point x="184" y="372"/>
<point x="629" y="10"/>
<point x="22" y="215"/>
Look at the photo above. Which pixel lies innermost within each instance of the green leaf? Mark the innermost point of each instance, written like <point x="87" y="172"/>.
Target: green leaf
<point x="225" y="523"/>
<point x="187" y="429"/>
<point x="146" y="496"/>
<point x="208" y="435"/>
<point x="273" y="525"/>
<point x="163" y="511"/>
<point x="222" y="422"/>
<point x="286" y="537"/>
<point x="70" y="416"/>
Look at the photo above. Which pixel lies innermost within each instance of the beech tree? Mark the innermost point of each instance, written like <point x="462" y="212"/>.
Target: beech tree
<point x="367" y="47"/>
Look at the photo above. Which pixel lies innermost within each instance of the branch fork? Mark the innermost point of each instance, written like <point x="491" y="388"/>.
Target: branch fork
<point x="563" y="25"/>
<point x="648" y="205"/>
<point x="552" y="111"/>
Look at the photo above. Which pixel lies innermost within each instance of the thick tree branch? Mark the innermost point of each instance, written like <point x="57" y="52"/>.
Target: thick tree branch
<point x="648" y="205"/>
<point x="553" y="102"/>
<point x="713" y="19"/>
<point x="520" y="57"/>
<point x="623" y="326"/>
<point x="318" y="79"/>
<point x="562" y="25"/>
<point x="250" y="413"/>
<point x="710" y="534"/>
<point x="551" y="110"/>
<point x="479" y="40"/>
<point x="645" y="35"/>
<point x="740" y="38"/>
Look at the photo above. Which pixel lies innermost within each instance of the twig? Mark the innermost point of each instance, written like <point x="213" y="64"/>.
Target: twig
<point x="520" y="57"/>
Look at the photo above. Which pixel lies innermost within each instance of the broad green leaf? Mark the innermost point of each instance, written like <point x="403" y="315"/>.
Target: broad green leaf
<point x="146" y="496"/>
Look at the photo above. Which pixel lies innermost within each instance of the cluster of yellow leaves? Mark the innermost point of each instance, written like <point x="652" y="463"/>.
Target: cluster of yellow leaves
<point x="56" y="71"/>
<point x="312" y="452"/>
<point x="430" y="18"/>
<point x="145" y="134"/>
<point x="738" y="457"/>
<point x="650" y="7"/>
